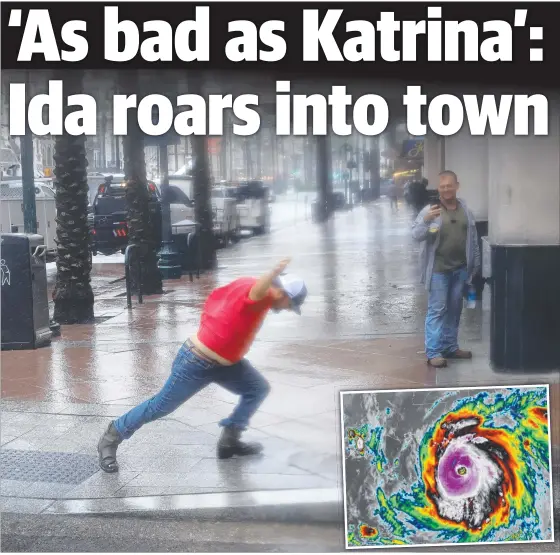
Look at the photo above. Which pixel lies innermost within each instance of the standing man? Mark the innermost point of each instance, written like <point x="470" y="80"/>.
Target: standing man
<point x="394" y="197"/>
<point x="450" y="258"/>
<point x="231" y="318"/>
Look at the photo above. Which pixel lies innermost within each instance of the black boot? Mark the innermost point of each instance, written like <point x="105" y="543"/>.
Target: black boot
<point x="107" y="449"/>
<point x="230" y="445"/>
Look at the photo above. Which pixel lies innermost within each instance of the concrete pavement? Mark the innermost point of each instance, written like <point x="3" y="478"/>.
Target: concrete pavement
<point x="360" y="329"/>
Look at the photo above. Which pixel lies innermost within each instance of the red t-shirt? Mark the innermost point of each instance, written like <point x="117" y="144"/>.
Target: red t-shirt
<point x="230" y="319"/>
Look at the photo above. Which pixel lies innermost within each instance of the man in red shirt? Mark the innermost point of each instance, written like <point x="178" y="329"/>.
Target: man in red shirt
<point x="231" y="318"/>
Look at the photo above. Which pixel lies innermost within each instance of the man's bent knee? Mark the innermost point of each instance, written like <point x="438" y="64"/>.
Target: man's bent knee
<point x="262" y="389"/>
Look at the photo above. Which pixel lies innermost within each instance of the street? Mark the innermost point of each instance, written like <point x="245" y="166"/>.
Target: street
<point x="361" y="328"/>
<point x="159" y="534"/>
<point x="287" y="210"/>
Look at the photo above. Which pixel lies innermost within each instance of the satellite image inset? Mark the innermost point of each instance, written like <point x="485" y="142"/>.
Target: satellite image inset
<point x="447" y="466"/>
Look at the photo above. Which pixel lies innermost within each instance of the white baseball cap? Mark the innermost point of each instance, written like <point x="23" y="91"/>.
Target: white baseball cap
<point x="295" y="288"/>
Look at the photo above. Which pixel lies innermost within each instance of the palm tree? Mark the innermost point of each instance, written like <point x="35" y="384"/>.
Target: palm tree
<point x="201" y="186"/>
<point x="141" y="223"/>
<point x="72" y="295"/>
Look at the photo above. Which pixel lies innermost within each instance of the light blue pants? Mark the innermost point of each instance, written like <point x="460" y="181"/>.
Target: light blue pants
<point x="445" y="304"/>
<point x="189" y="375"/>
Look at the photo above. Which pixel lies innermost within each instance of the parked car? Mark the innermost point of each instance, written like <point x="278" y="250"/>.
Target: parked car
<point x="108" y="217"/>
<point x="224" y="211"/>
<point x="11" y="211"/>
<point x="227" y="224"/>
<point x="180" y="204"/>
<point x="252" y="206"/>
<point x="10" y="163"/>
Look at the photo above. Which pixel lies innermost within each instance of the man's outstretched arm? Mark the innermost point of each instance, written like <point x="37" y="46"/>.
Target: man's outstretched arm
<point x="264" y="283"/>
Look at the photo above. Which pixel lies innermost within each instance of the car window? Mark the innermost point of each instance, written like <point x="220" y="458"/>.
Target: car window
<point x="185" y="170"/>
<point x="217" y="193"/>
<point x="176" y="196"/>
<point x="115" y="190"/>
<point x="252" y="190"/>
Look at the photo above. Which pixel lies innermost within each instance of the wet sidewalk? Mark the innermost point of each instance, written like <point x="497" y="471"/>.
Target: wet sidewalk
<point x="361" y="328"/>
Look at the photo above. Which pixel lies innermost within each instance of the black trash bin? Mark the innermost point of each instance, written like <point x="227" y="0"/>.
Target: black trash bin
<point x="25" y="304"/>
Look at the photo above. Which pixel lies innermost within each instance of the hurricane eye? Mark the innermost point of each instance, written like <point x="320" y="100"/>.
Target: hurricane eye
<point x="461" y="471"/>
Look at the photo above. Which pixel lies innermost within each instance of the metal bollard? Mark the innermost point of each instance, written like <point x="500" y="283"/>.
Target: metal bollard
<point x="191" y="238"/>
<point x="127" y="254"/>
<point x="127" y="283"/>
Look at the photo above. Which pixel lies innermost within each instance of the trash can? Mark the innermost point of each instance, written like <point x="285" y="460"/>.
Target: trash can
<point x="181" y="232"/>
<point x="25" y="304"/>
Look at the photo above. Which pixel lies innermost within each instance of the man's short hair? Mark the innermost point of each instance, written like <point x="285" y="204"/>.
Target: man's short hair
<point x="449" y="173"/>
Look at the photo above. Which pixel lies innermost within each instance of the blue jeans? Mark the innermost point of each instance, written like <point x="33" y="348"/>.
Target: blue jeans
<point x="189" y="375"/>
<point x="445" y="304"/>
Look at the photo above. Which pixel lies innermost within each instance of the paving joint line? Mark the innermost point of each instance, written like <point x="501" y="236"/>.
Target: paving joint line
<point x="291" y="341"/>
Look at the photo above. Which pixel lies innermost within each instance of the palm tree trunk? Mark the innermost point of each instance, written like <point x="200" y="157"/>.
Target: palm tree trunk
<point x="72" y="295"/>
<point x="202" y="205"/>
<point x="141" y="223"/>
<point x="201" y="185"/>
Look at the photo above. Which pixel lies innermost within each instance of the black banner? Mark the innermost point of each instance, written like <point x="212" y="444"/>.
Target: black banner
<point x="521" y="70"/>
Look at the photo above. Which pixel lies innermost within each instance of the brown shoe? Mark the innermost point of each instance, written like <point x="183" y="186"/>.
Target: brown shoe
<point x="459" y="354"/>
<point x="437" y="362"/>
<point x="229" y="445"/>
